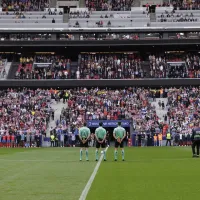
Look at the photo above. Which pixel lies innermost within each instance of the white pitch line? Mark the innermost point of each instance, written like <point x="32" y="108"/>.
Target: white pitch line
<point x="89" y="183"/>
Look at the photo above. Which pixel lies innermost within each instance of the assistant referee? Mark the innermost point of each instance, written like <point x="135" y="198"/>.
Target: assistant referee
<point x="100" y="135"/>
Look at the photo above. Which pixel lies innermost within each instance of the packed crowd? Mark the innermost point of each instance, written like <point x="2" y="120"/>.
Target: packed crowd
<point x="44" y="67"/>
<point x="24" y="111"/>
<point x="182" y="66"/>
<point x="116" y="5"/>
<point x="183" y="108"/>
<point x="180" y="4"/>
<point x="183" y="112"/>
<point x="96" y="104"/>
<point x="186" y="5"/>
<point x="109" y="36"/>
<point x="25" y="114"/>
<point x="109" y="66"/>
<point x="21" y="37"/>
<point x="24" y="5"/>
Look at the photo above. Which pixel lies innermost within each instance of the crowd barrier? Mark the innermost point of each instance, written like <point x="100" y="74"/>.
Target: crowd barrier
<point x="115" y="83"/>
<point x="99" y="43"/>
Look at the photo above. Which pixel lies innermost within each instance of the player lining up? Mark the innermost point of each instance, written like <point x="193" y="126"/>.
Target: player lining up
<point x="84" y="135"/>
<point x="100" y="135"/>
<point x="119" y="134"/>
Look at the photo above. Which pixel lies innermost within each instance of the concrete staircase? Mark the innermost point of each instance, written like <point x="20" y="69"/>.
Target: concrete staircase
<point x="82" y="4"/>
<point x="57" y="107"/>
<point x="159" y="110"/>
<point x="152" y="17"/>
<point x="7" y="70"/>
<point x="145" y="67"/>
<point x="52" y="3"/>
<point x="136" y="3"/>
<point x="12" y="71"/>
<point x="66" y="17"/>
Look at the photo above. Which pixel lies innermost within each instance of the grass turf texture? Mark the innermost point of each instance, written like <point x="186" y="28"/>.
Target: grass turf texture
<point x="158" y="173"/>
<point x="57" y="174"/>
<point x="43" y="174"/>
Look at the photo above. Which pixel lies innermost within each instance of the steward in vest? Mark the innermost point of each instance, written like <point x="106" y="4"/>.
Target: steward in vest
<point x="52" y="140"/>
<point x="65" y="97"/>
<point x="168" y="137"/>
<point x="196" y="141"/>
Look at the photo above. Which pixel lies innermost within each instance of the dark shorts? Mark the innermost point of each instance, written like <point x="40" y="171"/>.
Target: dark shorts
<point x="8" y="141"/>
<point x="117" y="144"/>
<point x="196" y="142"/>
<point x="102" y="145"/>
<point x="84" y="144"/>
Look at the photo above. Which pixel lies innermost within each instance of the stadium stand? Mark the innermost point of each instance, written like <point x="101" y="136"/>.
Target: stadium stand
<point x="43" y="67"/>
<point x="84" y="18"/>
<point x="105" y="40"/>
<point x="185" y="66"/>
<point x="20" y="5"/>
<point x="113" y="66"/>
<point x="109" y="5"/>
<point x="124" y="65"/>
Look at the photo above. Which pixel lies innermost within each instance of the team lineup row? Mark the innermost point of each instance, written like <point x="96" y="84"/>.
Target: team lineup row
<point x="119" y="135"/>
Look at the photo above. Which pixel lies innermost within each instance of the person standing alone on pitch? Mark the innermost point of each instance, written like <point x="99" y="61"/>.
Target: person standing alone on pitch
<point x="119" y="134"/>
<point x="195" y="141"/>
<point x="84" y="135"/>
<point x="100" y="135"/>
<point x="168" y="138"/>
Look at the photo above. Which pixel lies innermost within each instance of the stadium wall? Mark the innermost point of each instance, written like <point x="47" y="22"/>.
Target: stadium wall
<point x="116" y="83"/>
<point x="86" y="43"/>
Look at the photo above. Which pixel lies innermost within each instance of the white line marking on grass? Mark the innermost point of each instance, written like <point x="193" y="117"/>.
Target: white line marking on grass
<point x="89" y="183"/>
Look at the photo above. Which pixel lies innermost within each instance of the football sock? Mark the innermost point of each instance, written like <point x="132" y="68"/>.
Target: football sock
<point x="86" y="153"/>
<point x="104" y="155"/>
<point x="81" y="152"/>
<point x="97" y="157"/>
<point x="123" y="154"/>
<point x="115" y="154"/>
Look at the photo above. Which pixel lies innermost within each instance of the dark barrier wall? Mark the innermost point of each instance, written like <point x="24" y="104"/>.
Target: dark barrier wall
<point x="49" y="43"/>
<point x="99" y="83"/>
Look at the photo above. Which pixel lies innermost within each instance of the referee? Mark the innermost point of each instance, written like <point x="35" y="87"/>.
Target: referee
<point x="119" y="134"/>
<point x="84" y="135"/>
<point x="195" y="141"/>
<point x="100" y="135"/>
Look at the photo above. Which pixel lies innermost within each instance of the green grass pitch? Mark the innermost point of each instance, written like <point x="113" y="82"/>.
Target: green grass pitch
<point x="158" y="173"/>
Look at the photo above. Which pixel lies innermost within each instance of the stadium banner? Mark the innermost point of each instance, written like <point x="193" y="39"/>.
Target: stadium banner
<point x="108" y="123"/>
<point x="42" y="65"/>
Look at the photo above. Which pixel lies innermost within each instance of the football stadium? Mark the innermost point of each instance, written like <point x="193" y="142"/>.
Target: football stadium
<point x="99" y="99"/>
